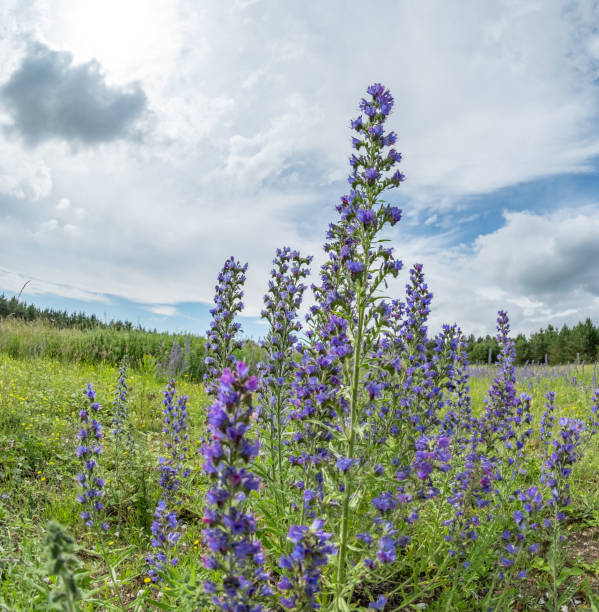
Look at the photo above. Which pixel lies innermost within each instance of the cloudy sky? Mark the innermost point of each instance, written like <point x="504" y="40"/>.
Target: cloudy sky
<point x="144" y="141"/>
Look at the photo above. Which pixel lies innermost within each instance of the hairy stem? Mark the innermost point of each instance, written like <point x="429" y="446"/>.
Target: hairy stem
<point x="341" y="561"/>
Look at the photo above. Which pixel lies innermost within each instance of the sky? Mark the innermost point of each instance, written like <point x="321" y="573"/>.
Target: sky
<point x="144" y="142"/>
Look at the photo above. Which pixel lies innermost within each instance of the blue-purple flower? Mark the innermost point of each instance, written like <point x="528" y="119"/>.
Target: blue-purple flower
<point x="172" y="468"/>
<point x="229" y="535"/>
<point x="282" y="302"/>
<point x="89" y="447"/>
<point x="302" y="567"/>
<point x="223" y="334"/>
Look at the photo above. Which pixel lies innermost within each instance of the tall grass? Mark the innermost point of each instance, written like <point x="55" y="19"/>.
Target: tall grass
<point x="169" y="354"/>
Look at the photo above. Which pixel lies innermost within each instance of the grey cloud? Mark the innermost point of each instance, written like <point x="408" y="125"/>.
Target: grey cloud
<point x="573" y="268"/>
<point x="50" y="97"/>
<point x="544" y="256"/>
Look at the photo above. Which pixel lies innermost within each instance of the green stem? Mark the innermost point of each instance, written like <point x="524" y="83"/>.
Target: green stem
<point x="341" y="559"/>
<point x="554" y="555"/>
<point x="272" y="467"/>
<point x="112" y="575"/>
<point x="277" y="461"/>
<point x="279" y="440"/>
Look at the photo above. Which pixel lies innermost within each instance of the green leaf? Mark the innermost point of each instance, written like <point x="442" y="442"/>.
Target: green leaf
<point x="163" y="605"/>
<point x="342" y="605"/>
<point x="123" y="556"/>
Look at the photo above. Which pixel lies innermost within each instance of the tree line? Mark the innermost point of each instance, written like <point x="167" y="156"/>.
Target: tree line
<point x="551" y="345"/>
<point x="13" y="307"/>
<point x="579" y="343"/>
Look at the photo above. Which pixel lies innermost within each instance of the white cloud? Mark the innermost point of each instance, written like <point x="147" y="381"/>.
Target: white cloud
<point x="543" y="254"/>
<point x="250" y="107"/>
<point x="23" y="175"/>
<point x="49" y="225"/>
<point x="539" y="267"/>
<point x="165" y="311"/>
<point x="13" y="281"/>
<point x="63" y="204"/>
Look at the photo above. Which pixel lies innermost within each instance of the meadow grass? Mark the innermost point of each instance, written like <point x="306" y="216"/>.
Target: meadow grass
<point x="165" y="354"/>
<point x="172" y="354"/>
<point x="39" y="402"/>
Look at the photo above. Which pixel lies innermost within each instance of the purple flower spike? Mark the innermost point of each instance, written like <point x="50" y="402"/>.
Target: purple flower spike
<point x="172" y="469"/>
<point x="88" y="453"/>
<point x="121" y="421"/>
<point x="302" y="567"/>
<point x="223" y="334"/>
<point x="229" y="536"/>
<point x="330" y="409"/>
<point x="282" y="302"/>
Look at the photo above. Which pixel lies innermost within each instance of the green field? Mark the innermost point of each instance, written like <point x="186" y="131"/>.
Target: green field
<point x="39" y="402"/>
